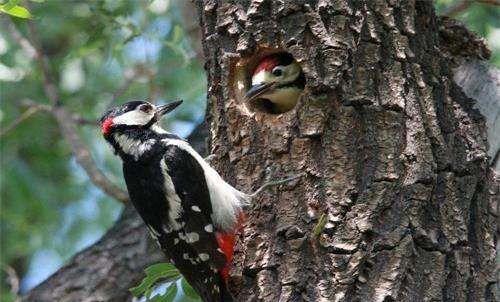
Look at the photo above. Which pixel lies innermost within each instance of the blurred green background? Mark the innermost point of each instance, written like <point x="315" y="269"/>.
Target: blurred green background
<point x="102" y="53"/>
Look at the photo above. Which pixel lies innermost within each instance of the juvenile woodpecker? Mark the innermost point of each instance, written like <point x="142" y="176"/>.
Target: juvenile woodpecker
<point x="277" y="82"/>
<point x="189" y="209"/>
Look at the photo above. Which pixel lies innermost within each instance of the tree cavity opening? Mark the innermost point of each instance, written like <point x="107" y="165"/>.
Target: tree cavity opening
<point x="271" y="82"/>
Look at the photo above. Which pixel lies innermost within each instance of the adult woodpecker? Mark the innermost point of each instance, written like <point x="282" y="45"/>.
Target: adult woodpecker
<point x="277" y="82"/>
<point x="189" y="209"/>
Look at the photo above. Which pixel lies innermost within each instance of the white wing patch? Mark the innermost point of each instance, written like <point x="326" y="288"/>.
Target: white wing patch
<point x="174" y="201"/>
<point x="226" y="200"/>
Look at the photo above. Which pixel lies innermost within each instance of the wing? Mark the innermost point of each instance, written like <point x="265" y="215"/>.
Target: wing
<point x="188" y="179"/>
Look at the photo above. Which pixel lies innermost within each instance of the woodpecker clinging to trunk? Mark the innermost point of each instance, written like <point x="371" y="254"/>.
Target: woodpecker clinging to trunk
<point x="189" y="209"/>
<point x="277" y="82"/>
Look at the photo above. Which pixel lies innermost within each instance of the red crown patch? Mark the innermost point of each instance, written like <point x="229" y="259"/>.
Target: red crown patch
<point x="267" y="64"/>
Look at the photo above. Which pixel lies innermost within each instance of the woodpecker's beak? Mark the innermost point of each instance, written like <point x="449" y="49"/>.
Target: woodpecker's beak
<point x="162" y="110"/>
<point x="258" y="90"/>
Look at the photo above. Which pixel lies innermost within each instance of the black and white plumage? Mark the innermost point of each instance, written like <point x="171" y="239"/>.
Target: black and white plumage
<point x="189" y="209"/>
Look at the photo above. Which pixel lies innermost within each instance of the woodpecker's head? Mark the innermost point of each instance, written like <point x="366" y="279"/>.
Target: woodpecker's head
<point x="135" y="115"/>
<point x="132" y="129"/>
<point x="277" y="82"/>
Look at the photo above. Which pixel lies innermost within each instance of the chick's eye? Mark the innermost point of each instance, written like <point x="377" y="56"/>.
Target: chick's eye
<point x="146" y="108"/>
<point x="277" y="71"/>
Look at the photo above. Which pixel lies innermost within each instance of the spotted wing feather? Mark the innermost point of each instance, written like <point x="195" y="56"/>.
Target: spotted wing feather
<point x="189" y="182"/>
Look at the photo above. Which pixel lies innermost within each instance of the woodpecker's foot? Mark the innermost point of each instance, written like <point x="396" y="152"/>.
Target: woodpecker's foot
<point x="209" y="158"/>
<point x="275" y="183"/>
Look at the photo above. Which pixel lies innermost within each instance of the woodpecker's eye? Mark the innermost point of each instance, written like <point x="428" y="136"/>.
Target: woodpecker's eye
<point x="146" y="108"/>
<point x="277" y="71"/>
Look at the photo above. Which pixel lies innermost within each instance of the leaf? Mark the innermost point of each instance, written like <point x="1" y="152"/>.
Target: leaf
<point x="188" y="290"/>
<point x="177" y="35"/>
<point x="16" y="11"/>
<point x="159" y="268"/>
<point x="318" y="228"/>
<point x="154" y="273"/>
<point x="170" y="293"/>
<point x="11" y="4"/>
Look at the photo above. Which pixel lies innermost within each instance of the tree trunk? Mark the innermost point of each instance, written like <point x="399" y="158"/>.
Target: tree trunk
<point x="394" y="153"/>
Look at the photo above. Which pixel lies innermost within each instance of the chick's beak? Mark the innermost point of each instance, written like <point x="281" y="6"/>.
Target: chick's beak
<point x="162" y="110"/>
<point x="257" y="90"/>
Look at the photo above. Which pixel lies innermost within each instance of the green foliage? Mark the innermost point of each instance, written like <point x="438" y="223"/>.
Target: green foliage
<point x="188" y="290"/>
<point x="12" y="8"/>
<point x="155" y="273"/>
<point x="95" y="50"/>
<point x="164" y="273"/>
<point x="319" y="227"/>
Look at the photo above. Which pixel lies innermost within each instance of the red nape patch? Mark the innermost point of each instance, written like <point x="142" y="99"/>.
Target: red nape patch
<point x="106" y="126"/>
<point x="267" y="64"/>
<point x="226" y="244"/>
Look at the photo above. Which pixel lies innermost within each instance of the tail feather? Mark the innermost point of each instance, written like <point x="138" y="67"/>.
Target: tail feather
<point x="214" y="291"/>
<point x="225" y="295"/>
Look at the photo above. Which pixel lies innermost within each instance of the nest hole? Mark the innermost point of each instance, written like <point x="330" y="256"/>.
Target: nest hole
<point x="277" y="73"/>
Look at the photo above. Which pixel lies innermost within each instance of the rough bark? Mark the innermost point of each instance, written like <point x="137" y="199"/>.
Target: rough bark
<point x="394" y="152"/>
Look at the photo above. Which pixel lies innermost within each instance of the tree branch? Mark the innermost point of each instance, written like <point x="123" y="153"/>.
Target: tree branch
<point x="24" y="116"/>
<point x="65" y="120"/>
<point x="106" y="270"/>
<point x="459" y="7"/>
<point x="48" y="85"/>
<point x="20" y="39"/>
<point x="34" y="108"/>
<point x="83" y="121"/>
<point x="12" y="280"/>
<point x="83" y="157"/>
<point x="489" y="2"/>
